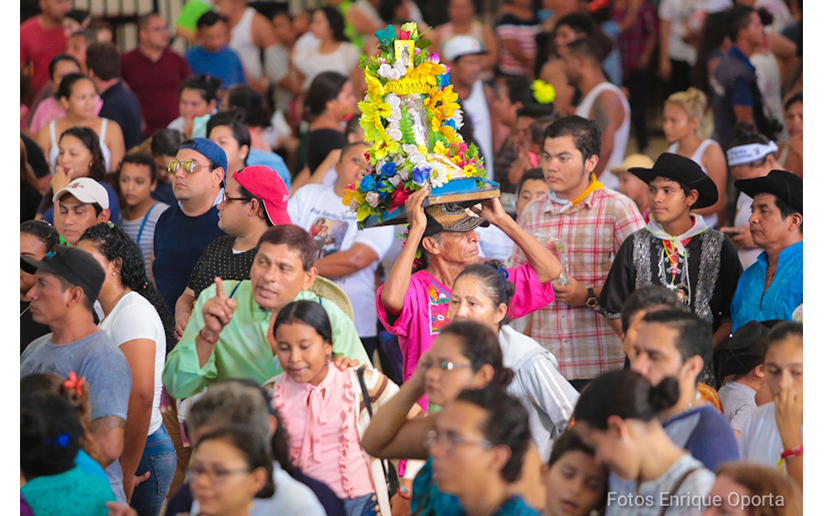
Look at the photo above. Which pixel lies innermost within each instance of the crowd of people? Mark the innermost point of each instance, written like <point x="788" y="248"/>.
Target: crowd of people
<point x="207" y="328"/>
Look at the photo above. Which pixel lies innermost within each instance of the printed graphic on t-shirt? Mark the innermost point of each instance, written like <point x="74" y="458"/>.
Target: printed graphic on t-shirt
<point x="328" y="235"/>
<point x="439" y="307"/>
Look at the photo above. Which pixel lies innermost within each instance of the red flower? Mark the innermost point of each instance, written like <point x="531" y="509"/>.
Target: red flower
<point x="405" y="34"/>
<point x="399" y="197"/>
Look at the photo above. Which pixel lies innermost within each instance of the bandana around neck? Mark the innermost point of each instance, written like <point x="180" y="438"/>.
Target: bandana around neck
<point x="698" y="227"/>
<point x="594" y="185"/>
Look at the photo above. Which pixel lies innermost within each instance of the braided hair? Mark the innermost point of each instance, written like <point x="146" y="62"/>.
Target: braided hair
<point x="115" y="244"/>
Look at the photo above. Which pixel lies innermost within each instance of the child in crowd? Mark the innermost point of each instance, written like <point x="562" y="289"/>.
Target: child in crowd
<point x="773" y="434"/>
<point x="135" y="181"/>
<point x="198" y="102"/>
<point x="632" y="186"/>
<point x="326" y="410"/>
<point x="741" y="360"/>
<point x="51" y="483"/>
<point x="576" y="483"/>
<point x="212" y="55"/>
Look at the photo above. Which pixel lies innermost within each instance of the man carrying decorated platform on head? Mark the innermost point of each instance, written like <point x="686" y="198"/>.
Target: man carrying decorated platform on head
<point x="415" y="305"/>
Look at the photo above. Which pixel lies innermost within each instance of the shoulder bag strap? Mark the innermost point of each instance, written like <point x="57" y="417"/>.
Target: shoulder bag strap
<point x="677" y="485"/>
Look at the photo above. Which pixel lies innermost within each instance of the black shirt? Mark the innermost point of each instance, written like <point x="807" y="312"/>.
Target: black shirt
<point x="164" y="193"/>
<point x="122" y="106"/>
<point x="713" y="270"/>
<point x="218" y="259"/>
<point x="35" y="157"/>
<point x="321" y="142"/>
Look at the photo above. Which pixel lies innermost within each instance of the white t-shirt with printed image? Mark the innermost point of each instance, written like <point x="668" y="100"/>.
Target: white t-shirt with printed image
<point x="318" y="209"/>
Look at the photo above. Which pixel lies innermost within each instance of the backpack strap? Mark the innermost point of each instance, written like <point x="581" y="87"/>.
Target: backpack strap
<point x="677" y="485"/>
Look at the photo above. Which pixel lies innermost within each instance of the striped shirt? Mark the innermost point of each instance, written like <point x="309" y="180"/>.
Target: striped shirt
<point x="523" y="33"/>
<point x="582" y="341"/>
<point x="549" y="398"/>
<point x="142" y="231"/>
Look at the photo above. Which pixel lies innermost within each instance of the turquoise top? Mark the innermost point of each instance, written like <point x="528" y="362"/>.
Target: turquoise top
<point x="72" y="493"/>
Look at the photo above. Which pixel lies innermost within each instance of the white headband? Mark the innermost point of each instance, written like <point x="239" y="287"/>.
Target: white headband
<point x="750" y="153"/>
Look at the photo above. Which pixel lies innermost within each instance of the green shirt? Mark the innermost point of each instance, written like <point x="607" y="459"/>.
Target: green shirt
<point x="192" y="10"/>
<point x="242" y="350"/>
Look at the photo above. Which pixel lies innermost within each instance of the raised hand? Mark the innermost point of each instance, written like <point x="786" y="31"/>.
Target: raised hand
<point x="217" y="312"/>
<point x="415" y="213"/>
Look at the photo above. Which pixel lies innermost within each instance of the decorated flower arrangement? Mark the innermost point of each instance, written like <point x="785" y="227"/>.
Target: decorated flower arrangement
<point x="410" y="115"/>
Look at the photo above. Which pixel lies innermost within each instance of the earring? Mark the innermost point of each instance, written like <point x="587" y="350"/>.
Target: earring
<point x="113" y="274"/>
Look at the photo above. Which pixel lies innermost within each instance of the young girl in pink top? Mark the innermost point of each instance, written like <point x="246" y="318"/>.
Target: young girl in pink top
<point x="322" y="411"/>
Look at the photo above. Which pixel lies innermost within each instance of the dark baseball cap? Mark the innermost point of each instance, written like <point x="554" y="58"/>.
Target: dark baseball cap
<point x="77" y="267"/>
<point x="209" y="149"/>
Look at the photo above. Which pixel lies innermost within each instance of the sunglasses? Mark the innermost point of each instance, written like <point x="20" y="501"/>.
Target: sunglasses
<point x="189" y="166"/>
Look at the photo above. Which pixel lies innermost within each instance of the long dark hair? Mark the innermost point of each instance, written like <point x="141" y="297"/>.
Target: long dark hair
<point x="306" y="312"/>
<point x="626" y="394"/>
<point x="493" y="278"/>
<point x="252" y="446"/>
<point x="336" y="22"/>
<point x="91" y="141"/>
<point x="325" y="87"/>
<point x="480" y="346"/>
<point x="114" y="244"/>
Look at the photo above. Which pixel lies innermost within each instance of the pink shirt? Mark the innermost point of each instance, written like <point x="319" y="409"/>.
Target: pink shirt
<point x="49" y="109"/>
<point x="427" y="304"/>
<point x="323" y="436"/>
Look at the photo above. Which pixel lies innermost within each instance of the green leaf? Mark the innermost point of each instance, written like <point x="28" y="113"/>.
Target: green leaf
<point x="407" y="127"/>
<point x="423" y="43"/>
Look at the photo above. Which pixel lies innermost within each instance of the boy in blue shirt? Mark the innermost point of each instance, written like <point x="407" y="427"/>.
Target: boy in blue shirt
<point x="212" y="54"/>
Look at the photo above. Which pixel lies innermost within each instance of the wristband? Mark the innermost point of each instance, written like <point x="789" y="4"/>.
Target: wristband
<point x="208" y="341"/>
<point x="792" y="452"/>
<point x="405" y="493"/>
<point x="789" y="454"/>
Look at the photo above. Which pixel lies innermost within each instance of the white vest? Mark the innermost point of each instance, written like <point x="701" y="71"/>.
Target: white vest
<point x="241" y="42"/>
<point x="475" y="107"/>
<point x="620" y="137"/>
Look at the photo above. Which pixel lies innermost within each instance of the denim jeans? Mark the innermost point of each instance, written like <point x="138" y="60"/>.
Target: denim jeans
<point x="366" y="505"/>
<point x="159" y="459"/>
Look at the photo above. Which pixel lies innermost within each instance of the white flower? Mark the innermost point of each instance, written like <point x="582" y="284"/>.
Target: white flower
<point x="393" y="100"/>
<point x="410" y="149"/>
<point x="404" y="175"/>
<point x="373" y="199"/>
<point x="398" y="159"/>
<point x="395" y="180"/>
<point x="439" y="175"/>
<point x="395" y="124"/>
<point x="353" y="205"/>
<point x="418" y="159"/>
<point x="384" y="70"/>
<point x="400" y="68"/>
<point x="395" y="134"/>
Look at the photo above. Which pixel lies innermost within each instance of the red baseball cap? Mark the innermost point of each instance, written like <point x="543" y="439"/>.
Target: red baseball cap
<point x="263" y="182"/>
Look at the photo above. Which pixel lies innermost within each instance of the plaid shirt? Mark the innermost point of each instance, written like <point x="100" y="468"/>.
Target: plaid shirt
<point x="632" y="41"/>
<point x="582" y="341"/>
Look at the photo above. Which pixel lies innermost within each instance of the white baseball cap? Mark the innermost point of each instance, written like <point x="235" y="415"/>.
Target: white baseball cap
<point x="458" y="46"/>
<point x="86" y="190"/>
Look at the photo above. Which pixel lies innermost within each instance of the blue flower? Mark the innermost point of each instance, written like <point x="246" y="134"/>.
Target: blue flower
<point x="389" y="169"/>
<point x="386" y="36"/>
<point x="450" y="123"/>
<point x="421" y="174"/>
<point x="444" y="80"/>
<point x="367" y="183"/>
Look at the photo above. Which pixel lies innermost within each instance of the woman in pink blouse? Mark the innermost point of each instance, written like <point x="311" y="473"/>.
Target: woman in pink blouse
<point x="322" y="409"/>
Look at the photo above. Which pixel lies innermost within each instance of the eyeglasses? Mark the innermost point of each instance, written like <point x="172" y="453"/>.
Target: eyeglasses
<point x="228" y="199"/>
<point x="216" y="476"/>
<point x="434" y="437"/>
<point x="190" y="166"/>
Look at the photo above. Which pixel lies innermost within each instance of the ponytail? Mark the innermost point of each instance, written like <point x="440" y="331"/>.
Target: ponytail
<point x="626" y="394"/>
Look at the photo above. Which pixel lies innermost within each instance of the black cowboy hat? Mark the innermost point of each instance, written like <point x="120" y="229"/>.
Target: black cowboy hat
<point x="781" y="183"/>
<point x="683" y="170"/>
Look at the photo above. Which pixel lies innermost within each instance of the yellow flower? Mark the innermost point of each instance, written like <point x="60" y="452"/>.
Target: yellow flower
<point x="353" y="195"/>
<point x="543" y="92"/>
<point x="383" y="145"/>
<point x="449" y="132"/>
<point x="470" y="171"/>
<point x="426" y="72"/>
<point x="439" y="148"/>
<point x="375" y="90"/>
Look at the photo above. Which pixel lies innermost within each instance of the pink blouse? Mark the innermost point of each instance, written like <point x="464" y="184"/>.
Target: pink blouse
<point x="324" y="440"/>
